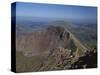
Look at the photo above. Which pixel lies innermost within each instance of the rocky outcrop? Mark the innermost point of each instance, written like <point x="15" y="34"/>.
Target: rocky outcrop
<point x="54" y="48"/>
<point x="89" y="60"/>
<point x="60" y="59"/>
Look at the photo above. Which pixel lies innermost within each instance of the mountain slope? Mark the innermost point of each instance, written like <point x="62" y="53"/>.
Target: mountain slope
<point x="53" y="48"/>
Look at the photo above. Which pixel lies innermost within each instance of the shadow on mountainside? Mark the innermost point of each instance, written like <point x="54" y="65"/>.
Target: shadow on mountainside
<point x="53" y="48"/>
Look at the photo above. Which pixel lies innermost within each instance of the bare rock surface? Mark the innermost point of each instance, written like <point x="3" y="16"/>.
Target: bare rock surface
<point x="44" y="40"/>
<point x="53" y="48"/>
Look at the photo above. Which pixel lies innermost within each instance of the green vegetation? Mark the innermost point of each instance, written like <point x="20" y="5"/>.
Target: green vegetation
<point x="71" y="46"/>
<point x="26" y="64"/>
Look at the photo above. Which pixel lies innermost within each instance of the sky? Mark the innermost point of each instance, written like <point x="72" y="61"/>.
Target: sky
<point x="74" y="13"/>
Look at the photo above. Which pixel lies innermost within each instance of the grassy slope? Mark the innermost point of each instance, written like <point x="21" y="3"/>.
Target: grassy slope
<point x="27" y="64"/>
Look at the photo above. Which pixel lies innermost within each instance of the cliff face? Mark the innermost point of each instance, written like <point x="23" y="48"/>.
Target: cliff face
<point x="44" y="40"/>
<point x="89" y="60"/>
<point x="53" y="48"/>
